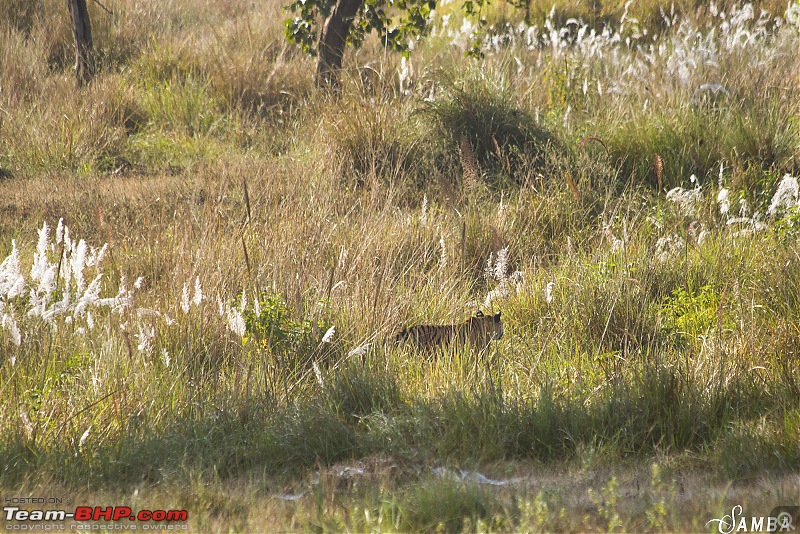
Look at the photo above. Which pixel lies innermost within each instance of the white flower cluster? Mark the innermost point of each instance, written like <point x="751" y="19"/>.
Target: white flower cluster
<point x="497" y="270"/>
<point x="56" y="290"/>
<point x="680" y="57"/>
<point x="688" y="201"/>
<point x="786" y="197"/>
<point x="235" y="316"/>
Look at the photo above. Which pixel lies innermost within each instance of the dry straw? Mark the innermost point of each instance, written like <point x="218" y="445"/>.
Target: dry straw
<point x="469" y="164"/>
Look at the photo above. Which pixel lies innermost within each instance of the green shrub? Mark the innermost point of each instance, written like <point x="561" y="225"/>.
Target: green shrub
<point x="270" y="324"/>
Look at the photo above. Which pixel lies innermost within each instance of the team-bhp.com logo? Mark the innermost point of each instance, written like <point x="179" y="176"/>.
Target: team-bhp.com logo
<point x="781" y="519"/>
<point x="117" y="514"/>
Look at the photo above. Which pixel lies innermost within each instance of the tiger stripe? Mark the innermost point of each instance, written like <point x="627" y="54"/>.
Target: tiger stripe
<point x="479" y="331"/>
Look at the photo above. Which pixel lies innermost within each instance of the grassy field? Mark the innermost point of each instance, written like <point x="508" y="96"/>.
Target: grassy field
<point x="206" y="259"/>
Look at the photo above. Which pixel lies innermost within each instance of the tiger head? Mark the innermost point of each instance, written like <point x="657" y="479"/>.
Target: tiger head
<point x="485" y="328"/>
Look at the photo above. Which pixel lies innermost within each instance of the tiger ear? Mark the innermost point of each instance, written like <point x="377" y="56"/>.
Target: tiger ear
<point x="479" y="314"/>
<point x="497" y="315"/>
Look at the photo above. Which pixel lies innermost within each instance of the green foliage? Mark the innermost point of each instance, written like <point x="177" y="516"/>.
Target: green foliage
<point x="301" y="29"/>
<point x="688" y="314"/>
<point x="661" y="496"/>
<point x="788" y="227"/>
<point x="563" y="91"/>
<point x="397" y="23"/>
<point x="270" y="325"/>
<point x="606" y="503"/>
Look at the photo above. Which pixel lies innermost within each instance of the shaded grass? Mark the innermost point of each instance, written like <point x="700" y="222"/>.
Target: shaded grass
<point x="643" y="408"/>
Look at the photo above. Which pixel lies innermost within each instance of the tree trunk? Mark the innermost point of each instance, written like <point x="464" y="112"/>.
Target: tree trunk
<point x="332" y="40"/>
<point x="82" y="31"/>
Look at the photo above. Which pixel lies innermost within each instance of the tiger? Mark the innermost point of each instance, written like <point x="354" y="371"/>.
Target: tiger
<point x="479" y="331"/>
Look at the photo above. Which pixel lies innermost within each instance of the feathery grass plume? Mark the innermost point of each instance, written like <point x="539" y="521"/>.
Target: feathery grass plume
<point x="590" y="377"/>
<point x="84" y="438"/>
<point x="785" y="197"/>
<point x="616" y="243"/>
<point x="744" y="208"/>
<point x="12" y="282"/>
<point x="687" y="200"/>
<point x="501" y="291"/>
<point x="501" y="265"/>
<point x="696" y="232"/>
<point x="497" y="270"/>
<point x="95" y="255"/>
<point x="60" y="231"/>
<point x="548" y="292"/>
<point x="197" y="298"/>
<point x="502" y="208"/>
<point x="89" y="297"/>
<point x="405" y="77"/>
<point x="470" y="172"/>
<point x="80" y="256"/>
<point x="669" y="247"/>
<point x="361" y="350"/>
<point x="145" y="338"/>
<point x="77" y="263"/>
<point x="122" y="300"/>
<point x="328" y="337"/>
<point x="185" y="298"/>
<point x="77" y="298"/>
<point x="659" y="171"/>
<point x="318" y="373"/>
<point x="10" y="324"/>
<point x="497" y="266"/>
<point x="236" y="322"/>
<point x="43" y="272"/>
<point x="724" y="201"/>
